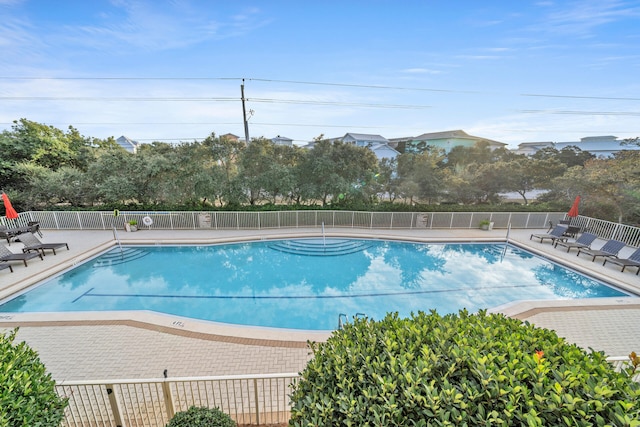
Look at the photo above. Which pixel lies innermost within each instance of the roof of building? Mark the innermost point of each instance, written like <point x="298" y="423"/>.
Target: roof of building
<point x="127" y="143"/>
<point x="366" y="137"/>
<point x="459" y="134"/>
<point x="383" y="150"/>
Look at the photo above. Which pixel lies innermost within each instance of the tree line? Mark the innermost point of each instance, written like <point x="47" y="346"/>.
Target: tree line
<point x="43" y="167"/>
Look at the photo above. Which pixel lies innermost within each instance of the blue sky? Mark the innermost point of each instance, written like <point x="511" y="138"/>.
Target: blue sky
<point x="513" y="71"/>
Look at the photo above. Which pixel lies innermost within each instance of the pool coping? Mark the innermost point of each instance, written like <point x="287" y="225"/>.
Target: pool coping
<point x="275" y="337"/>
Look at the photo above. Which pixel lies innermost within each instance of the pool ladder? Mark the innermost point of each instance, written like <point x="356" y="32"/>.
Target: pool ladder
<point x="342" y="319"/>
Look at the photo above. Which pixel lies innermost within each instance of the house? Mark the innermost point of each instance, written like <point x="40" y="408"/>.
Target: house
<point x="600" y="146"/>
<point x="384" y="151"/>
<point x="282" y="140"/>
<point x="376" y="143"/>
<point x="531" y="148"/>
<point x="128" y="144"/>
<point x="363" y="139"/>
<point x="230" y="137"/>
<point x="447" y="140"/>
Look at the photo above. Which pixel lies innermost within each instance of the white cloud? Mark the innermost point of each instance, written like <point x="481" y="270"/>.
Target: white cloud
<point x="583" y="17"/>
<point x="420" y="71"/>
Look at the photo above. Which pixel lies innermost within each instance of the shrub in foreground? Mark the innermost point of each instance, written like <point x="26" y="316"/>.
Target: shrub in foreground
<point x="201" y="417"/>
<point x="27" y="391"/>
<point x="459" y="370"/>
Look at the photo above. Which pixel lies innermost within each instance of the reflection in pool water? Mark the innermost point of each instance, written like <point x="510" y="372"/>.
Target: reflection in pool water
<point x="258" y="284"/>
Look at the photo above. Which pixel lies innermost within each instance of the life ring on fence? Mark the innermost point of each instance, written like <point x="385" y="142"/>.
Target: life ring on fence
<point x="147" y="221"/>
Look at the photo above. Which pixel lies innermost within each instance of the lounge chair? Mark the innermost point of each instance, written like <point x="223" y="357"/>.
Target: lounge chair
<point x="632" y="261"/>
<point x="32" y="243"/>
<point x="556" y="234"/>
<point x="7" y="255"/>
<point x="12" y="233"/>
<point x="610" y="249"/>
<point x="7" y="234"/>
<point x="34" y="227"/>
<point x="584" y="241"/>
<point x="4" y="265"/>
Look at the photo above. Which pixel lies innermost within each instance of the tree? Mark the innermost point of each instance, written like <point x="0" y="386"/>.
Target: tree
<point x="38" y="144"/>
<point x="612" y="181"/>
<point x="464" y="369"/>
<point x="331" y="169"/>
<point x="525" y="174"/>
<point x="386" y="180"/>
<point x="27" y="391"/>
<point x="420" y="175"/>
<point x="460" y="184"/>
<point x="569" y="156"/>
<point x="226" y="152"/>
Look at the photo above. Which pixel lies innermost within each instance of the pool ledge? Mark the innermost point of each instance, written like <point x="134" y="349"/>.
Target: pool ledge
<point x="525" y="309"/>
<point x="170" y="324"/>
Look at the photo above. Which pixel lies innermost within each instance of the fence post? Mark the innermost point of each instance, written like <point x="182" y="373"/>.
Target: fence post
<point x="115" y="406"/>
<point x="255" y="396"/>
<point x="168" y="399"/>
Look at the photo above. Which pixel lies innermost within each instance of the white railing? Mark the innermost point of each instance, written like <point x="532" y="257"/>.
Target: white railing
<point x="89" y="220"/>
<point x="248" y="399"/>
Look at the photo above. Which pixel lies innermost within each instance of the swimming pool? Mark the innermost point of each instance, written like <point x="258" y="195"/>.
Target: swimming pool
<point x="308" y="283"/>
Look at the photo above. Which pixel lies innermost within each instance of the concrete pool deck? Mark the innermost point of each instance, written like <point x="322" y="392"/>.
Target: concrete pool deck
<point x="117" y="345"/>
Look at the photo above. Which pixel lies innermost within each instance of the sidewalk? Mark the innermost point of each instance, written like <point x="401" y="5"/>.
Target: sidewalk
<point x="111" y="345"/>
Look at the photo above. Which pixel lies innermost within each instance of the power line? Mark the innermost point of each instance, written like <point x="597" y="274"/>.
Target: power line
<point x="582" y="113"/>
<point x="207" y="99"/>
<point x="347" y="104"/>
<point x="118" y="78"/>
<point x="580" y="97"/>
<point x="314" y="83"/>
<point x="363" y="86"/>
<point x="104" y="98"/>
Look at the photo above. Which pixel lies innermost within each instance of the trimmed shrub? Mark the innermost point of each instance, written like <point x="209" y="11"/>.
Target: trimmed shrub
<point x="27" y="391"/>
<point x="459" y="370"/>
<point x="201" y="417"/>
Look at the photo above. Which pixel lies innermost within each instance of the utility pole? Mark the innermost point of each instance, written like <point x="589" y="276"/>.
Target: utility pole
<point x="244" y="114"/>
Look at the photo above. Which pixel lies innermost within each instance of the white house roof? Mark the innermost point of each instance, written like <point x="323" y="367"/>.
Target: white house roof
<point x="605" y="145"/>
<point x="128" y="143"/>
<point x="365" y="137"/>
<point x="384" y="151"/>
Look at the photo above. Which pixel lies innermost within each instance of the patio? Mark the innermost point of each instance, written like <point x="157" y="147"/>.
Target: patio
<point x="93" y="346"/>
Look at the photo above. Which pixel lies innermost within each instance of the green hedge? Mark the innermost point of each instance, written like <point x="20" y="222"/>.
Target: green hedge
<point x="27" y="392"/>
<point x="201" y="417"/>
<point x="459" y="370"/>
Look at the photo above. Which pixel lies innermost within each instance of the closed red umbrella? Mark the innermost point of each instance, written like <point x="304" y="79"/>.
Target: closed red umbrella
<point x="573" y="212"/>
<point x="10" y="212"/>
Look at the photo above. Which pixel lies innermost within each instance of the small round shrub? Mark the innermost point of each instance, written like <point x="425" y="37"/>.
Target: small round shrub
<point x="27" y="392"/>
<point x="201" y="417"/>
<point x="459" y="370"/>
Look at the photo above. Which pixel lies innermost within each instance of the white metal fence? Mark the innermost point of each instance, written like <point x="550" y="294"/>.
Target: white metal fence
<point x="249" y="400"/>
<point x="89" y="220"/>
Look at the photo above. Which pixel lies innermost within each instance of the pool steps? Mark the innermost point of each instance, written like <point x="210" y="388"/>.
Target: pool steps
<point x="116" y="257"/>
<point x="321" y="247"/>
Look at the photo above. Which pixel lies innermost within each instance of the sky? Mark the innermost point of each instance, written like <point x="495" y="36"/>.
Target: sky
<point x="172" y="70"/>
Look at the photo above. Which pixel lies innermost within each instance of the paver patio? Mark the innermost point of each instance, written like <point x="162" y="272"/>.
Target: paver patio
<point x="75" y="347"/>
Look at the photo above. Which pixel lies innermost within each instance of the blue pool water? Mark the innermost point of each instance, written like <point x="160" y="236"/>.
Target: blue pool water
<point x="307" y="284"/>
